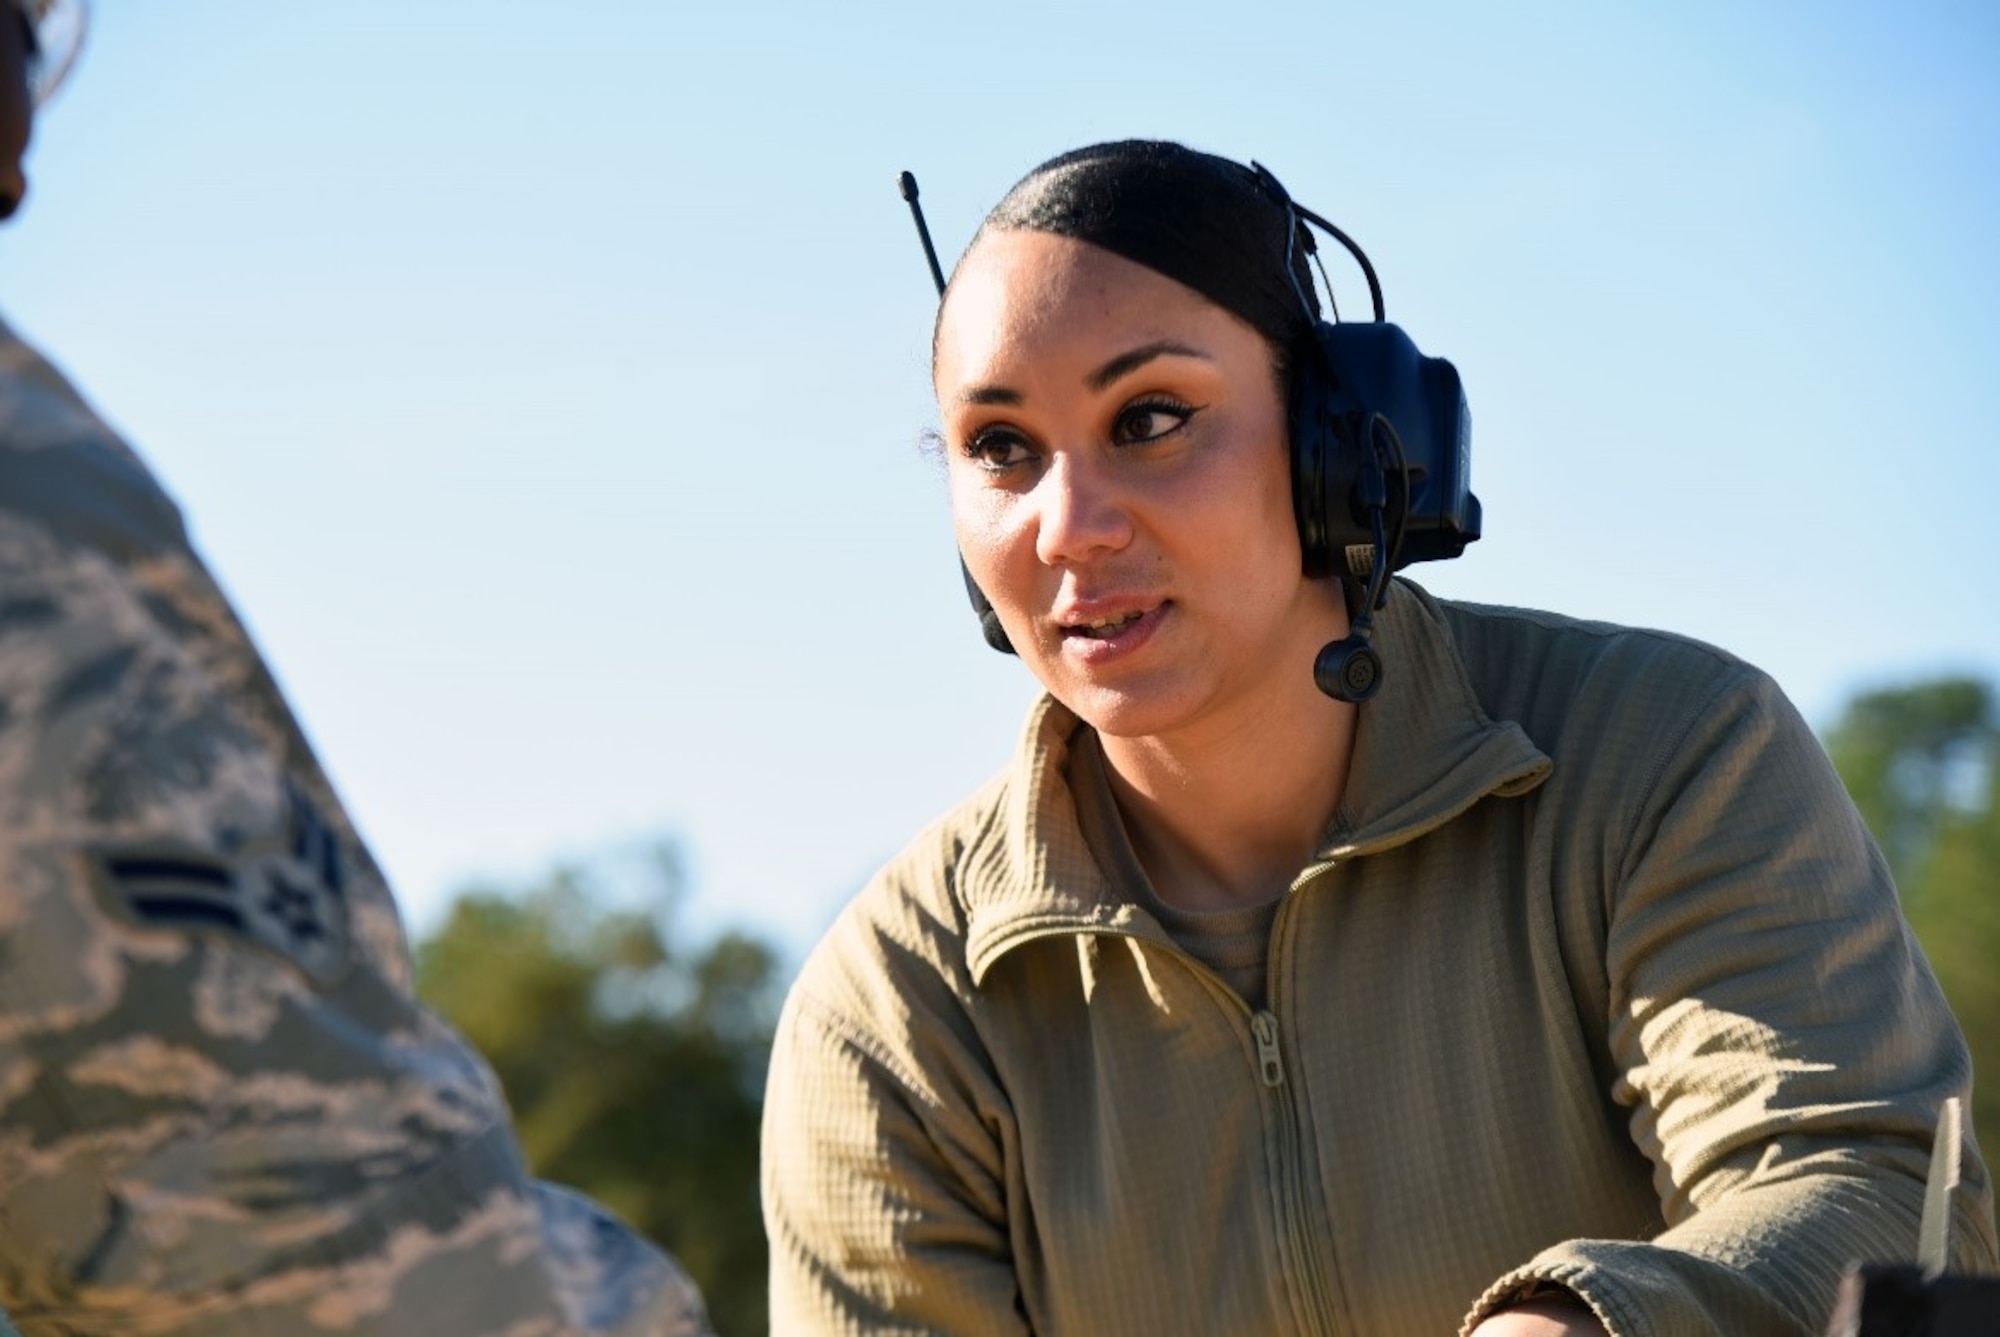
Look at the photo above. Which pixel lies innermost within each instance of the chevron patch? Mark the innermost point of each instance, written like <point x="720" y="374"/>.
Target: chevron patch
<point x="290" y="900"/>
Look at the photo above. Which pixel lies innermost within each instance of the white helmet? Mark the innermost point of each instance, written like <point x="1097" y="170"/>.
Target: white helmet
<point x="58" y="27"/>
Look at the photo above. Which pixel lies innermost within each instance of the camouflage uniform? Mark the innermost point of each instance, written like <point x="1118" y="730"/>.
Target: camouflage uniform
<point x="222" y="1111"/>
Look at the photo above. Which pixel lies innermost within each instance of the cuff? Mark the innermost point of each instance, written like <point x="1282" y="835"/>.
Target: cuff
<point x="1541" y="1279"/>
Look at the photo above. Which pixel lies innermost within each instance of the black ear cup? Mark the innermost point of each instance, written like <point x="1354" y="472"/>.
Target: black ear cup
<point x="1375" y="422"/>
<point x="1330" y="404"/>
<point x="1315" y="447"/>
<point x="989" y="621"/>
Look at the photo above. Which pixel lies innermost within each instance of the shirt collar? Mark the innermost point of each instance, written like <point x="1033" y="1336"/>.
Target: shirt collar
<point x="1424" y="752"/>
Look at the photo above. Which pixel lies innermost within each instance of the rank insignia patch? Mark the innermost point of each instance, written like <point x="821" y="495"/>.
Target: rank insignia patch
<point x="290" y="900"/>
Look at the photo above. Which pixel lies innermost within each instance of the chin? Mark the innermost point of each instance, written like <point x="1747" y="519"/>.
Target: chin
<point x="1135" y="710"/>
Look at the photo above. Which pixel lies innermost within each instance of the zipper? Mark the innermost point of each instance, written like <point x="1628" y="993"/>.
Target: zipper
<point x="1270" y="1062"/>
<point x="1293" y="1192"/>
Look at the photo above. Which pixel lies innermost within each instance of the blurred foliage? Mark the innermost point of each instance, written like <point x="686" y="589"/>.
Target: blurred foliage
<point x="634" y="1062"/>
<point x="1923" y="765"/>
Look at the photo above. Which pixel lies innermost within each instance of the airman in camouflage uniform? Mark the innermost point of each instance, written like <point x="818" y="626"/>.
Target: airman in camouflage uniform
<point x="222" y="1111"/>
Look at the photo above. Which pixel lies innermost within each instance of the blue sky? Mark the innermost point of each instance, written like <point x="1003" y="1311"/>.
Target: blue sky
<point x="546" y="385"/>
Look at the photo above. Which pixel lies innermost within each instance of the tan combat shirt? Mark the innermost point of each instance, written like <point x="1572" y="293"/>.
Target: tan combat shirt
<point x="1597" y="979"/>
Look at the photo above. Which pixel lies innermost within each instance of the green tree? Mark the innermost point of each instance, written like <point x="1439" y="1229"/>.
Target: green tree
<point x="634" y="1063"/>
<point x="1923" y="764"/>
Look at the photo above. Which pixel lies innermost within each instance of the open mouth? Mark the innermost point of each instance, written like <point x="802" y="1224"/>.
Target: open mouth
<point x="1104" y="628"/>
<point x="1105" y="635"/>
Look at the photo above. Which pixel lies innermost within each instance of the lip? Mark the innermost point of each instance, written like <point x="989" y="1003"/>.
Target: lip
<point x="1097" y="652"/>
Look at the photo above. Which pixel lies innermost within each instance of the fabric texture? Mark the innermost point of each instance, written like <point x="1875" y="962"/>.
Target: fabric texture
<point x="1597" y="981"/>
<point x="222" y="1111"/>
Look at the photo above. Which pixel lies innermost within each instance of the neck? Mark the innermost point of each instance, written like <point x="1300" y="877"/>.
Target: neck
<point x="1227" y="818"/>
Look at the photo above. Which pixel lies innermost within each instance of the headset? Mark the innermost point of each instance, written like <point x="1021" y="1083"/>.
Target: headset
<point x="1381" y="452"/>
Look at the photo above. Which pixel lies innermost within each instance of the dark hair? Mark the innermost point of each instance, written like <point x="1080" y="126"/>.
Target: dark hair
<point x="1200" y="220"/>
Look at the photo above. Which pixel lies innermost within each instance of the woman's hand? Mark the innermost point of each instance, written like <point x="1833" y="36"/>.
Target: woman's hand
<point x="1554" y="1316"/>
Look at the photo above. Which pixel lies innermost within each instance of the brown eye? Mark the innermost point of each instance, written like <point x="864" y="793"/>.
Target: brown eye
<point x="1149" y="420"/>
<point x="997" y="449"/>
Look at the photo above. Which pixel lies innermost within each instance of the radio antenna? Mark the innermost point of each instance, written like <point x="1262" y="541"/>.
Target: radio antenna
<point x="908" y="185"/>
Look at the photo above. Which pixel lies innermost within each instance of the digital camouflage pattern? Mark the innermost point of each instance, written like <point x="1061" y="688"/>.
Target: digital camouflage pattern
<point x="222" y="1111"/>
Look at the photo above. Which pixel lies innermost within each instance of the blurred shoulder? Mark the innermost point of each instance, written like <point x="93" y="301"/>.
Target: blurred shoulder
<point x="608" y="1280"/>
<point x="150" y="769"/>
<point x="67" y="473"/>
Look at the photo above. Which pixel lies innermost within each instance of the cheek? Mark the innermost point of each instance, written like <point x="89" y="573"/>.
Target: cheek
<point x="1245" y="501"/>
<point x="1270" y="486"/>
<point x="979" y="520"/>
<point x="1281" y="518"/>
<point x="967" y="515"/>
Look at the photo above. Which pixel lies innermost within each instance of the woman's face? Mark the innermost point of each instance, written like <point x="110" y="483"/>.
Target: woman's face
<point x="1120" y="485"/>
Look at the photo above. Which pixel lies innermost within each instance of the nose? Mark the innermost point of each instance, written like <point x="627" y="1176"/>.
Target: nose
<point x="1082" y="514"/>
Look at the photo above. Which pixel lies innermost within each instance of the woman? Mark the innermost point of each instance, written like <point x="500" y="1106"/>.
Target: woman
<point x="1556" y="989"/>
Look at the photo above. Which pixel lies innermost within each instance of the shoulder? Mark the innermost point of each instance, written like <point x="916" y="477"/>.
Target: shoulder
<point x="885" y="1028"/>
<point x="150" y="765"/>
<point x="63" y="470"/>
<point x="906" y="930"/>
<point x="1571" y="682"/>
<point x="891" y="989"/>
<point x="1636" y="720"/>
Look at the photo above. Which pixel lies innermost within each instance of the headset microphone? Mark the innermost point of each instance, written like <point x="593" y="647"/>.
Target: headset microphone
<point x="1349" y="669"/>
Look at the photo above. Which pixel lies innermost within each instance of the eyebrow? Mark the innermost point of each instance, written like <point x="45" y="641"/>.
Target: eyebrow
<point x="1127" y="363"/>
<point x="1123" y="365"/>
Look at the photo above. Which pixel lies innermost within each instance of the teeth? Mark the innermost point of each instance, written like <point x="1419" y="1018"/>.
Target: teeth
<point x="1109" y="624"/>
